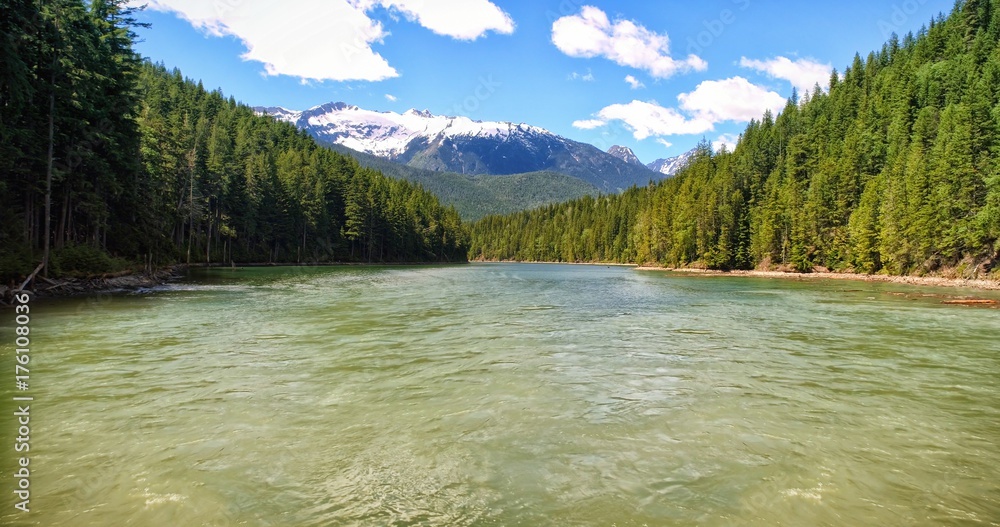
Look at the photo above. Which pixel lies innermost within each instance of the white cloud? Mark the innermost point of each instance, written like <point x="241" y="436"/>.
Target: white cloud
<point x="711" y="102"/>
<point x="592" y="34"/>
<point x="589" y="124"/>
<point x="647" y="119"/>
<point x="459" y="19"/>
<point x="727" y="140"/>
<point x="804" y="74"/>
<point x="634" y="82"/>
<point x="664" y="142"/>
<point x="329" y="40"/>
<point x="733" y="99"/>
<point x="585" y="77"/>
<point x="391" y="98"/>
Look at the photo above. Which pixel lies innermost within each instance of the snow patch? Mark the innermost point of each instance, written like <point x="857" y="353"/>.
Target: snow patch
<point x="387" y="134"/>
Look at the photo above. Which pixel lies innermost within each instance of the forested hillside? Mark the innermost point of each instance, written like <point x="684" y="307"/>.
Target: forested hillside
<point x="229" y="184"/>
<point x="108" y="162"/>
<point x="894" y="167"/>
<point x="476" y="196"/>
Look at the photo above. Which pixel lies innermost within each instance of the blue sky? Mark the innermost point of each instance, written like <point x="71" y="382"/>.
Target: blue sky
<point x="653" y="76"/>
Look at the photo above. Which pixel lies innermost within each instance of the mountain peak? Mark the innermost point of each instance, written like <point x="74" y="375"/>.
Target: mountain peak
<point x="625" y="154"/>
<point x="419" y="113"/>
<point x="460" y="144"/>
<point x="672" y="165"/>
<point x="333" y="107"/>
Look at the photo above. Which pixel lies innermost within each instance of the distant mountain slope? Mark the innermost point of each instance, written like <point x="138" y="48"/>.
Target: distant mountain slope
<point x="625" y="154"/>
<point x="476" y="196"/>
<point x="672" y="165"/>
<point x="458" y="144"/>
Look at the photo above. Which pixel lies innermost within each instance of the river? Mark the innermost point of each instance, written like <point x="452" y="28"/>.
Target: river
<point x="510" y="394"/>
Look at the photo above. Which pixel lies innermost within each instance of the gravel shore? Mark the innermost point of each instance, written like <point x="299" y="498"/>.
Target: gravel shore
<point x="991" y="285"/>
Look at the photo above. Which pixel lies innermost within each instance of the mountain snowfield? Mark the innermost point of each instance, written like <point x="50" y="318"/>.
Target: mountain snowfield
<point x="459" y="144"/>
<point x="672" y="165"/>
<point x="667" y="167"/>
<point x="388" y="134"/>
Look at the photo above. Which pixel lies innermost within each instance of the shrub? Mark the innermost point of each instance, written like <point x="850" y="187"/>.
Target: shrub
<point x="16" y="265"/>
<point x="85" y="260"/>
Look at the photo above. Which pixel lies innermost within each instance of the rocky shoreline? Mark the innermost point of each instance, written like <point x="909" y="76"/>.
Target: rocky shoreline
<point x="936" y="281"/>
<point x="111" y="282"/>
<point x="132" y="281"/>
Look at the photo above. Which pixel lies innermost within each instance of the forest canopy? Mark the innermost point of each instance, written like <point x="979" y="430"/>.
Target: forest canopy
<point x="109" y="161"/>
<point x="893" y="167"/>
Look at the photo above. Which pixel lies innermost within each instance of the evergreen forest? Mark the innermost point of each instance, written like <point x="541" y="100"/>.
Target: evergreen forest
<point x="894" y="167"/>
<point x="109" y="162"/>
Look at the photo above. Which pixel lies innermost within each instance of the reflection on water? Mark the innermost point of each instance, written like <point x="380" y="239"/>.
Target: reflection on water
<point x="512" y="395"/>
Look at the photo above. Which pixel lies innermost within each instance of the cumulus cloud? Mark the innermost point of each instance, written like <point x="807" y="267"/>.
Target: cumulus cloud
<point x="711" y="102"/>
<point x="585" y="77"/>
<point x="803" y="74"/>
<point x="459" y="19"/>
<point x="664" y="142"/>
<point x="329" y="40"/>
<point x="634" y="82"/>
<point x="591" y="34"/>
<point x="391" y="98"/>
<point x="588" y="124"/>
<point x="733" y="99"/>
<point x="647" y="119"/>
<point x="727" y="140"/>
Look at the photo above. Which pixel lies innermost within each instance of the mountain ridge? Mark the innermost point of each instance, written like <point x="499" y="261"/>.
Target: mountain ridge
<point x="672" y="165"/>
<point x="476" y="196"/>
<point x="420" y="139"/>
<point x="625" y="154"/>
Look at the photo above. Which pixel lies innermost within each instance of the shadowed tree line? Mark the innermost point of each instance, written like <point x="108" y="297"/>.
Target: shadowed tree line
<point x="109" y="162"/>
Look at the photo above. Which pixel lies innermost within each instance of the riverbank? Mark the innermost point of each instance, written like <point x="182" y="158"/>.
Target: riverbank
<point x="989" y="285"/>
<point x="132" y="281"/>
<point x="109" y="282"/>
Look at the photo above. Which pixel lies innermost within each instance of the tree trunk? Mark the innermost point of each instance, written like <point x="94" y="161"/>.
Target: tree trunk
<point x="29" y="220"/>
<point x="208" y="242"/>
<point x="61" y="233"/>
<point x="48" y="174"/>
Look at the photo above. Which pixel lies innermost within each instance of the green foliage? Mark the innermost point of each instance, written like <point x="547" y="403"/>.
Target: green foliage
<point x="85" y="260"/>
<point x="151" y="167"/>
<point x="476" y="196"/>
<point x="232" y="185"/>
<point x="15" y="264"/>
<point x="892" y="169"/>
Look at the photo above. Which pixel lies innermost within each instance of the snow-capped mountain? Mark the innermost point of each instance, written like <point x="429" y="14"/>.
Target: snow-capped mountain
<point x="625" y="154"/>
<point x="388" y="134"/>
<point x="459" y="144"/>
<point x="672" y="165"/>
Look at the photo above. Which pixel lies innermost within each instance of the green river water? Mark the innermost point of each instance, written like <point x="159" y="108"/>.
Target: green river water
<point x="507" y="394"/>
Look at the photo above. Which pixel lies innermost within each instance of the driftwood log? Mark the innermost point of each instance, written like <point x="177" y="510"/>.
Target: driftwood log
<point x="31" y="277"/>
